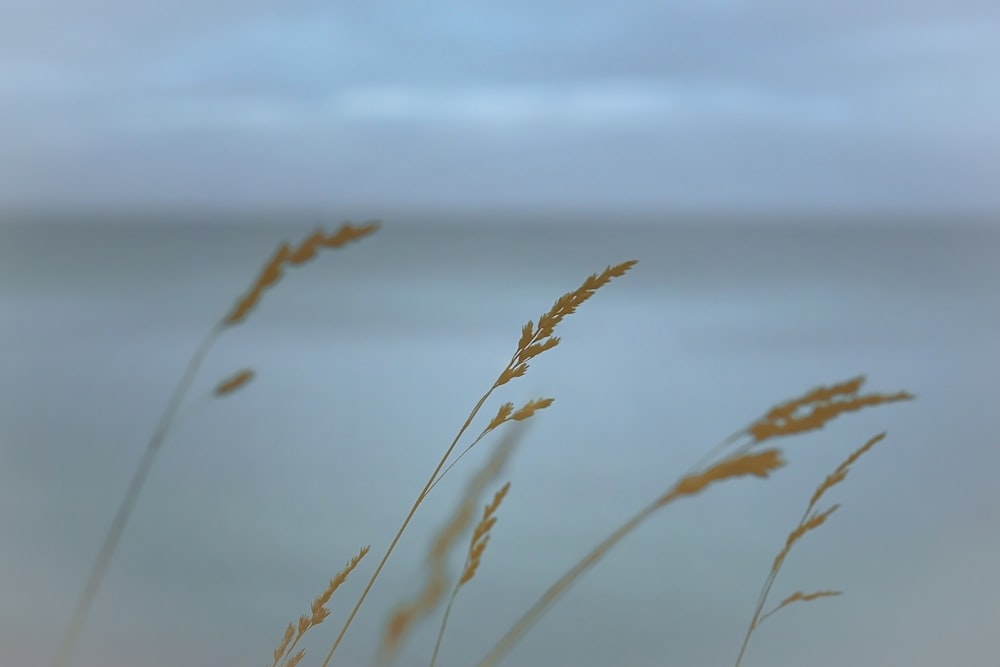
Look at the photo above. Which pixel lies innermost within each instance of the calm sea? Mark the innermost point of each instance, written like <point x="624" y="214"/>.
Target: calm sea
<point x="369" y="358"/>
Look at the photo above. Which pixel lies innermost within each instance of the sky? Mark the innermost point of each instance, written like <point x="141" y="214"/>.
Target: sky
<point x="858" y="107"/>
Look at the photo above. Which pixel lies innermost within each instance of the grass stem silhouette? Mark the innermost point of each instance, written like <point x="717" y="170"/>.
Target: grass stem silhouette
<point x="270" y="274"/>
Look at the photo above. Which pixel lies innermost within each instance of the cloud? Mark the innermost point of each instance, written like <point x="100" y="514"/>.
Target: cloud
<point x="876" y="104"/>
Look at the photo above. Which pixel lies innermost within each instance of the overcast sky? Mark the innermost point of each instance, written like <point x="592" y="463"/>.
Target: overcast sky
<point x="712" y="106"/>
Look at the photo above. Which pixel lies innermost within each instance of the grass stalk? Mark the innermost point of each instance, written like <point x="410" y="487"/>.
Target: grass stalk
<point x="268" y="276"/>
<point x="113" y="537"/>
<point x="532" y="343"/>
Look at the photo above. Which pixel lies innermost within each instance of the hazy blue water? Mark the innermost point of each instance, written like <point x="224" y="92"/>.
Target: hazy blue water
<point x="370" y="357"/>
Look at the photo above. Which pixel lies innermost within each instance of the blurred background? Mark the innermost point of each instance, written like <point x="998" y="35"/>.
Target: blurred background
<point x="808" y="190"/>
<point x="731" y="107"/>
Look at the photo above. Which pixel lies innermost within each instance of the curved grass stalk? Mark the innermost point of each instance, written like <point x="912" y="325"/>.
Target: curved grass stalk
<point x="268" y="276"/>
<point x="807" y="413"/>
<point x="110" y="545"/>
<point x="532" y="343"/>
<point x="759" y="465"/>
<point x="473" y="558"/>
<point x="810" y="520"/>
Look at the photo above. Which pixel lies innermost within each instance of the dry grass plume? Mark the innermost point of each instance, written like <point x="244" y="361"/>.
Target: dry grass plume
<point x="402" y="619"/>
<point x="268" y="276"/>
<point x="318" y="613"/>
<point x="812" y="410"/>
<point x="811" y="520"/>
<point x="474" y="557"/>
<point x="533" y="342"/>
